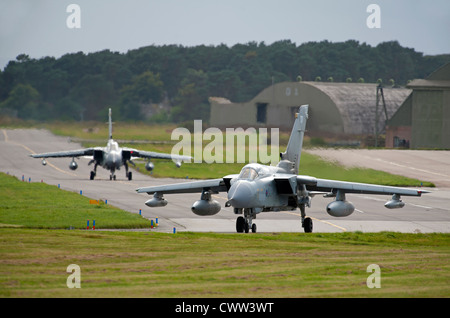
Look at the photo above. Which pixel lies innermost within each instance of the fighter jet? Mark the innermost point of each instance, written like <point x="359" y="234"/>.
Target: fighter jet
<point x="259" y="188"/>
<point x="111" y="157"/>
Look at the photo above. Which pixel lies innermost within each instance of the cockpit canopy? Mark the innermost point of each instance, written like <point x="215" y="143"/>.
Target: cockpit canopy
<point x="112" y="146"/>
<point x="248" y="173"/>
<point x="253" y="171"/>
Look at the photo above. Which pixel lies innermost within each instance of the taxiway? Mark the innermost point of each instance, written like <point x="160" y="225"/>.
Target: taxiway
<point x="429" y="213"/>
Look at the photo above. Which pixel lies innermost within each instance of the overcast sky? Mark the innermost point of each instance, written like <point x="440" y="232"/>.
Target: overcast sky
<point x="39" y="28"/>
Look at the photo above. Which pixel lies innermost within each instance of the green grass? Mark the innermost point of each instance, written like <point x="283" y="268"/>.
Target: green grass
<point x="314" y="166"/>
<point x="121" y="130"/>
<point x="35" y="256"/>
<point x="150" y="264"/>
<point x="39" y="205"/>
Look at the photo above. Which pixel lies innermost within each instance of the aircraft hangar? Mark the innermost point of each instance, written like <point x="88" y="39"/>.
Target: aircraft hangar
<point x="335" y="108"/>
<point x="423" y="120"/>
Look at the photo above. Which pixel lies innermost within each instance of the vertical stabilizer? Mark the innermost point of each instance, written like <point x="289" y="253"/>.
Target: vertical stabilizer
<point x="295" y="143"/>
<point x="110" y="124"/>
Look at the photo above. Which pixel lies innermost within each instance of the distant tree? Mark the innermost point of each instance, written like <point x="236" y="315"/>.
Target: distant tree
<point x="95" y="94"/>
<point x="145" y="89"/>
<point x="68" y="109"/>
<point x="83" y="86"/>
<point x="191" y="101"/>
<point x="23" y="100"/>
<point x="225" y="83"/>
<point x="54" y="85"/>
<point x="22" y="58"/>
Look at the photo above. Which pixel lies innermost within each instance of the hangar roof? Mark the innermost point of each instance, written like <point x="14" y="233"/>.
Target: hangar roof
<point x="347" y="108"/>
<point x="357" y="103"/>
<point x="437" y="80"/>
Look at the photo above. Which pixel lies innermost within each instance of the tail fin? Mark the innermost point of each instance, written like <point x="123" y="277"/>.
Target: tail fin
<point x="294" y="148"/>
<point x="110" y="125"/>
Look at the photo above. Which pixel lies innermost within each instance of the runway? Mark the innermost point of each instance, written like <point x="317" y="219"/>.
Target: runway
<point x="429" y="213"/>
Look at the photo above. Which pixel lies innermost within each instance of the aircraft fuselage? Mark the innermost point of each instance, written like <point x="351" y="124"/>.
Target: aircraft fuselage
<point x="255" y="188"/>
<point x="112" y="156"/>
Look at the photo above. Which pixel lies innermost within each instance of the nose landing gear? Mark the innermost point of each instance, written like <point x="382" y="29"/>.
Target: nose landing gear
<point x="244" y="223"/>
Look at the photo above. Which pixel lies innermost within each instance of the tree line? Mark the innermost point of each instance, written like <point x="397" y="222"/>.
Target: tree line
<point x="172" y="83"/>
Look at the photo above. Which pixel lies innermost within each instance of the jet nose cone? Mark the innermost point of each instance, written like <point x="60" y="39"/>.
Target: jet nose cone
<point x="113" y="160"/>
<point x="241" y="194"/>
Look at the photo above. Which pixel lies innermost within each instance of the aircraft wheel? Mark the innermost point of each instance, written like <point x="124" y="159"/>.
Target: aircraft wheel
<point x="130" y="176"/>
<point x="253" y="228"/>
<point x="114" y="177"/>
<point x="240" y="224"/>
<point x="110" y="177"/>
<point x="308" y="225"/>
<point x="92" y="175"/>
<point x="246" y="227"/>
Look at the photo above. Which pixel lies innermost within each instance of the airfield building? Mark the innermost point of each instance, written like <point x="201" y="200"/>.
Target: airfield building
<point x="337" y="109"/>
<point x="423" y="120"/>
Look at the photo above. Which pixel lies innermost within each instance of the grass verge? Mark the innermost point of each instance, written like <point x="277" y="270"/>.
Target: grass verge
<point x="149" y="264"/>
<point x="39" y="205"/>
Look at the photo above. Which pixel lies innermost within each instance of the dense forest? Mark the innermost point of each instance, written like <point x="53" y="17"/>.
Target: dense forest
<point x="180" y="79"/>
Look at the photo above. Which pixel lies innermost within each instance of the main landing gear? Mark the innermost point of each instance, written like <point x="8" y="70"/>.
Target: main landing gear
<point x="245" y="224"/>
<point x="93" y="172"/>
<point x="112" y="176"/>
<point x="307" y="223"/>
<point x="128" y="174"/>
